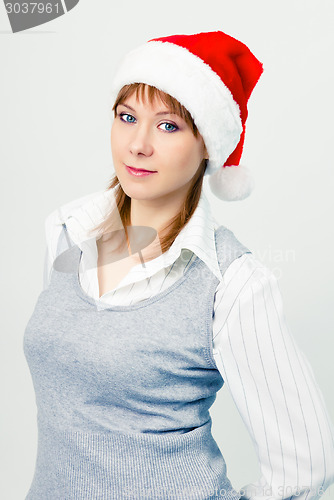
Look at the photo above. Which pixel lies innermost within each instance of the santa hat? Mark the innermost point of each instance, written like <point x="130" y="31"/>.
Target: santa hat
<point x="212" y="75"/>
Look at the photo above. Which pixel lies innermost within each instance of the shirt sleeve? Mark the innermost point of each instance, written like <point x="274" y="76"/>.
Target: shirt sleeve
<point x="56" y="238"/>
<point x="53" y="231"/>
<point x="272" y="385"/>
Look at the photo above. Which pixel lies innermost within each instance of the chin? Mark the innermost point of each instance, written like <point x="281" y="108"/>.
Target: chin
<point x="134" y="192"/>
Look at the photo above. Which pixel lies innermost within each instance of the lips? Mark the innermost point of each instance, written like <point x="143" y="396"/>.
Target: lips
<point x="140" y="169"/>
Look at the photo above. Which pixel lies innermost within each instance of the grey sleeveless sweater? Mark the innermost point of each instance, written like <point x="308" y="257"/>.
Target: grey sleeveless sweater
<point x="113" y="429"/>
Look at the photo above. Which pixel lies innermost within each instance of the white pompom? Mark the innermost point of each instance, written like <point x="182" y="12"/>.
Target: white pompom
<point x="232" y="183"/>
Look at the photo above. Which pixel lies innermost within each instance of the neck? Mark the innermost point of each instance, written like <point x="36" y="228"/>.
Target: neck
<point x="153" y="213"/>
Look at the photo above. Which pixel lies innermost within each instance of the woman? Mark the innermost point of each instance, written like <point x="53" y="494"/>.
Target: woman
<point x="150" y="306"/>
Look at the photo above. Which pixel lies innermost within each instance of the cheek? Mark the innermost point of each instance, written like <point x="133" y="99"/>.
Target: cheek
<point x="112" y="134"/>
<point x="116" y="144"/>
<point x="187" y="155"/>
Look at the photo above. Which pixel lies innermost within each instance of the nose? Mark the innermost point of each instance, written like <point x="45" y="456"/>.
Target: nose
<point x="141" y="141"/>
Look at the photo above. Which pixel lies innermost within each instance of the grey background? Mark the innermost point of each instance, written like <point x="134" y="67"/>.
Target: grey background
<point x="54" y="98"/>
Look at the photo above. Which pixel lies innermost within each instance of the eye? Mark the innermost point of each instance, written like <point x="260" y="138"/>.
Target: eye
<point x="125" y="120"/>
<point x="175" y="127"/>
<point x="171" y="126"/>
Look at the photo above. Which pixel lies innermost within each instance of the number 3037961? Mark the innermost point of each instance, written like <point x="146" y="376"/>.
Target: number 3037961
<point x="31" y="8"/>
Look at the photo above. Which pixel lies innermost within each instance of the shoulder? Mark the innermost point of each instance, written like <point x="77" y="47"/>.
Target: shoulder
<point x="54" y="220"/>
<point x="228" y="248"/>
<point x="58" y="215"/>
<point x="246" y="281"/>
<point x="237" y="260"/>
<point x="246" y="269"/>
<point x="246" y="276"/>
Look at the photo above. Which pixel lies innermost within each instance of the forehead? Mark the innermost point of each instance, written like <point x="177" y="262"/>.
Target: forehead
<point x="153" y="102"/>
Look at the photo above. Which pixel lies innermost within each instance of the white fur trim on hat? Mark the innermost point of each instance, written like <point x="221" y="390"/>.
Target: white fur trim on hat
<point x="232" y="183"/>
<point x="186" y="77"/>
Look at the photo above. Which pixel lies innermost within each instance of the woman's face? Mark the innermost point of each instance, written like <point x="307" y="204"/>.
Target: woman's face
<point x="149" y="137"/>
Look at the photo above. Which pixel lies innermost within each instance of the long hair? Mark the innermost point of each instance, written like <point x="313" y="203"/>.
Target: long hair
<point x="121" y="210"/>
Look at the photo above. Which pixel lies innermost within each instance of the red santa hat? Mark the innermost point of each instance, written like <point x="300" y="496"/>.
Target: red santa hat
<point x="213" y="75"/>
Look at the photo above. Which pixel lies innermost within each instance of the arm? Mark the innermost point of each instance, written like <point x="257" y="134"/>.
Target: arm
<point x="273" y="386"/>
<point x="52" y="231"/>
<point x="55" y="244"/>
<point x="55" y="237"/>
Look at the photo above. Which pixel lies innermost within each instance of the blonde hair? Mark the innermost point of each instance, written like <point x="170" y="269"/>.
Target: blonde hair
<point x="122" y="208"/>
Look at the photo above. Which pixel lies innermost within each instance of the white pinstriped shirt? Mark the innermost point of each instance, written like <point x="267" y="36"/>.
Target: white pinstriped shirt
<point x="268" y="376"/>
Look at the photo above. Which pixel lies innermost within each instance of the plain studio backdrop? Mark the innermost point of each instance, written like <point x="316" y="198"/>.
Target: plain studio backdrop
<point x="55" y="147"/>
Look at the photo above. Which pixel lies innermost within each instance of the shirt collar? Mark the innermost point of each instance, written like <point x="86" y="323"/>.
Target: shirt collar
<point x="198" y="235"/>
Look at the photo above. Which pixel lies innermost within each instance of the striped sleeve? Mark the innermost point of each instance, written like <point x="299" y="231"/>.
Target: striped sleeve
<point x="272" y="385"/>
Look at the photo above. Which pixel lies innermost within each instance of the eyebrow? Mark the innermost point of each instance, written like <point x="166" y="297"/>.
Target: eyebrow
<point x="160" y="112"/>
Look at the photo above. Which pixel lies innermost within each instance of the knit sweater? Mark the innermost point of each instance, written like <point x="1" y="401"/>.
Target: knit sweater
<point x="108" y="429"/>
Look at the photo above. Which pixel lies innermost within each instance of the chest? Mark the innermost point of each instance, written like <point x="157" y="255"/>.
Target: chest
<point x="68" y="332"/>
<point x="109" y="275"/>
<point x="114" y="266"/>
